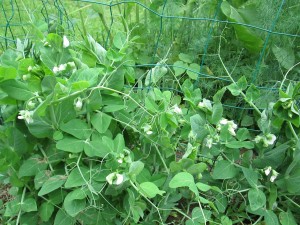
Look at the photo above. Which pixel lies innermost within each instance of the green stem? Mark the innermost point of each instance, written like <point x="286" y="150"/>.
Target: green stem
<point x="46" y="157"/>
<point x="20" y="211"/>
<point x="292" y="201"/>
<point x="162" y="159"/>
<point x="293" y="131"/>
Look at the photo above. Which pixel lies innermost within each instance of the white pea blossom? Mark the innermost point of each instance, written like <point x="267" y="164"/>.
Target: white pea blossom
<point x="59" y="68"/>
<point x="78" y="104"/>
<point x="274" y="176"/>
<point x="31" y="104"/>
<point x="176" y="109"/>
<point x="267" y="139"/>
<point x="209" y="142"/>
<point x="115" y="178"/>
<point x="268" y="170"/>
<point x="147" y="129"/>
<point x="66" y="42"/>
<point x="205" y="104"/>
<point x="26" y="77"/>
<point x="231" y="125"/>
<point x="26" y="115"/>
<point x="29" y="68"/>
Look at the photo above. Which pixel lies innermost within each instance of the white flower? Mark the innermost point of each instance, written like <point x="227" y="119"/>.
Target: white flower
<point x="268" y="170"/>
<point x="120" y="161"/>
<point x="209" y="142"/>
<point x="62" y="67"/>
<point x="231" y="125"/>
<point x="29" y="68"/>
<point x="205" y="104"/>
<point x="78" y="104"/>
<point x="270" y="139"/>
<point x="55" y="69"/>
<point x="147" y="129"/>
<point x="66" y="42"/>
<point x="26" y="76"/>
<point x="274" y="176"/>
<point x="26" y="115"/>
<point x="267" y="139"/>
<point x="115" y="178"/>
<point x="177" y="110"/>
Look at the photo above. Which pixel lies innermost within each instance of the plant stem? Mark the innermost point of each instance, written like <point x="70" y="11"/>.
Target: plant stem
<point x="293" y="131"/>
<point x="20" y="211"/>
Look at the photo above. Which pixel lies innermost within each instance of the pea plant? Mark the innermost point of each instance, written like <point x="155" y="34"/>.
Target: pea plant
<point x="86" y="139"/>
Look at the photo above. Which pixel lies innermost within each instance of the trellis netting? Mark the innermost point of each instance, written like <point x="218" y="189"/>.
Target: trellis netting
<point x="201" y="39"/>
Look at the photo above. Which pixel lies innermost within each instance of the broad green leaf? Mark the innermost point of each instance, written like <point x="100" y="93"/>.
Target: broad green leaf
<point x="89" y="75"/>
<point x="52" y="184"/>
<point x="203" y="187"/>
<point x="287" y="218"/>
<point x="120" y="40"/>
<point x="224" y="170"/>
<point x="185" y="58"/>
<point x="226" y="221"/>
<point x="184" y="179"/>
<point x="7" y="73"/>
<point x="155" y="74"/>
<point x="243" y="134"/>
<point x="150" y="189"/>
<point x="63" y="218"/>
<point x="46" y="210"/>
<point x="29" y="205"/>
<point x="271" y="218"/>
<point x="238" y="87"/>
<point x="252" y="93"/>
<point x="78" y="128"/>
<point x="240" y="144"/>
<point x="32" y="166"/>
<point x="257" y="199"/>
<point x="70" y="144"/>
<point x="75" y="202"/>
<point x="135" y="168"/>
<point x="179" y="68"/>
<point x="193" y="71"/>
<point x="199" y="216"/>
<point x="77" y="177"/>
<point x="251" y="176"/>
<point x="285" y="56"/>
<point x="217" y="113"/>
<point x="48" y="84"/>
<point x="250" y="40"/>
<point x="40" y="178"/>
<point x="119" y="143"/>
<point x="101" y="121"/>
<point x="16" y="89"/>
<point x="96" y="148"/>
<point x="198" y="124"/>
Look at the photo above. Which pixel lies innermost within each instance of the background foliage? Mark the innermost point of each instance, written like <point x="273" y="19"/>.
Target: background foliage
<point x="143" y="112"/>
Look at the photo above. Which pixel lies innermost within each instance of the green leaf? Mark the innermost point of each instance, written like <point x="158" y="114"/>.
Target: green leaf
<point x="52" y="184"/>
<point x="225" y="220"/>
<point x="271" y="218"/>
<point x="32" y="166"/>
<point x="119" y="143"/>
<point x="184" y="179"/>
<point x="120" y="40"/>
<point x="217" y="113"/>
<point x="240" y="144"/>
<point x="257" y="199"/>
<point x="16" y="89"/>
<point x="193" y="71"/>
<point x="29" y="205"/>
<point x="198" y="124"/>
<point x="251" y="176"/>
<point x="150" y="189"/>
<point x="46" y="210"/>
<point x="7" y="73"/>
<point x="252" y="93"/>
<point x="250" y="40"/>
<point x="101" y="121"/>
<point x="63" y="218"/>
<point x="243" y="134"/>
<point x="185" y="58"/>
<point x="77" y="177"/>
<point x="238" y="87"/>
<point x="199" y="216"/>
<point x="75" y="202"/>
<point x="224" y="170"/>
<point x="78" y="128"/>
<point x="203" y="187"/>
<point x="155" y="74"/>
<point x="179" y="68"/>
<point x="89" y="75"/>
<point x="285" y="56"/>
<point x="70" y="144"/>
<point x="135" y="168"/>
<point x="287" y="218"/>
<point x="96" y="148"/>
